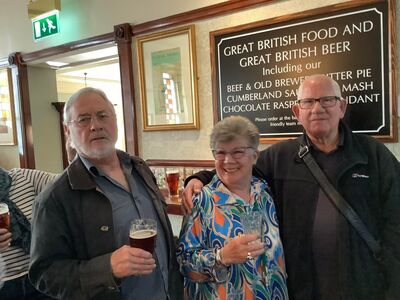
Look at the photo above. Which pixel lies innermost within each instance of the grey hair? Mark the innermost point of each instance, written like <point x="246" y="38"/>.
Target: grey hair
<point x="76" y="95"/>
<point x="234" y="127"/>
<point x="320" y="77"/>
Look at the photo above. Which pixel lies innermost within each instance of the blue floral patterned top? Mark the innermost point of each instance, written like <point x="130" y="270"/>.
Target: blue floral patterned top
<point x="215" y="219"/>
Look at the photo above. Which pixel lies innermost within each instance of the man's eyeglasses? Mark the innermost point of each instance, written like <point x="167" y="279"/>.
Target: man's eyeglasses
<point x="235" y="154"/>
<point x="327" y="101"/>
<point x="85" y="120"/>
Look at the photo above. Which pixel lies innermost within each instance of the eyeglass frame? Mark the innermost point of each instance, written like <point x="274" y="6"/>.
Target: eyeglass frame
<point x="98" y="115"/>
<point x="231" y="153"/>
<point x="315" y="100"/>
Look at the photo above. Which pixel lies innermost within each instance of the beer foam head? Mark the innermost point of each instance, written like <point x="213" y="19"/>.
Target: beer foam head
<point x="143" y="234"/>
<point x="173" y="171"/>
<point x="3" y="208"/>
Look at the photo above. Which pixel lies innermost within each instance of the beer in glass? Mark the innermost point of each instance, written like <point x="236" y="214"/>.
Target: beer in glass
<point x="143" y="234"/>
<point x="4" y="216"/>
<point x="172" y="177"/>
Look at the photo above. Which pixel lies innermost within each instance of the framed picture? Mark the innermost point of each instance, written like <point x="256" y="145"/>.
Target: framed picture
<point x="168" y="79"/>
<point x="7" y="118"/>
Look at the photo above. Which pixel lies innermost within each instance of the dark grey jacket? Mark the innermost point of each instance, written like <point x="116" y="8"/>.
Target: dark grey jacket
<point x="370" y="181"/>
<point x="73" y="237"/>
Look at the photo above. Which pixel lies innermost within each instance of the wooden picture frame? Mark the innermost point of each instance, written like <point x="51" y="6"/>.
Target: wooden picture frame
<point x="168" y="79"/>
<point x="7" y="114"/>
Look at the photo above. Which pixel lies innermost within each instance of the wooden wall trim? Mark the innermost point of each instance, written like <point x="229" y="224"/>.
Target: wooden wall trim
<point x="59" y="106"/>
<point x="395" y="60"/>
<point x="197" y="14"/>
<point x="123" y="38"/>
<point x="73" y="46"/>
<point x="26" y="152"/>
<point x="181" y="163"/>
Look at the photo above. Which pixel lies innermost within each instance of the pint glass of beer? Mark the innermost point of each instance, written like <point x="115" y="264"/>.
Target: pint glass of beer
<point x="172" y="177"/>
<point x="4" y="216"/>
<point x="143" y="234"/>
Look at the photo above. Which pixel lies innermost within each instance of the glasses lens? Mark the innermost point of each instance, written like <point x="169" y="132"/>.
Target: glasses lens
<point x="102" y="117"/>
<point x="83" y="121"/>
<point x="219" y="155"/>
<point x="238" y="153"/>
<point x="235" y="154"/>
<point x="328" y="101"/>
<point x="306" y="103"/>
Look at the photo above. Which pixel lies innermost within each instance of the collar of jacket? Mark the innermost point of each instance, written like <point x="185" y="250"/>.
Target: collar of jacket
<point x="80" y="178"/>
<point x="354" y="151"/>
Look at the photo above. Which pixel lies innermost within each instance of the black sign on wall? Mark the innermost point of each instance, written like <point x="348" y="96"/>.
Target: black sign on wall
<point x="258" y="67"/>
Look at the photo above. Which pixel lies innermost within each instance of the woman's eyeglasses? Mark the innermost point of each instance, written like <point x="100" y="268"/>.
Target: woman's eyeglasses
<point x="235" y="153"/>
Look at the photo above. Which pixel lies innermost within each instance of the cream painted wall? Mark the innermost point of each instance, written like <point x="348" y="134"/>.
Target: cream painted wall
<point x="9" y="157"/>
<point x="45" y="119"/>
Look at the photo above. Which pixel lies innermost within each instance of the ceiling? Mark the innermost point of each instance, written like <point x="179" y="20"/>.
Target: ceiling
<point x="99" y="63"/>
<point x="39" y="7"/>
<point x="105" y="70"/>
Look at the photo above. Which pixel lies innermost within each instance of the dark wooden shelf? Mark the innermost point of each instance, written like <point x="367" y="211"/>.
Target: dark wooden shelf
<point x="174" y="206"/>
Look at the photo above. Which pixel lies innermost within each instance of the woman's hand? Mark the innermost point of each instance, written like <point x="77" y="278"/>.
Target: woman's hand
<point x="192" y="188"/>
<point x="237" y="250"/>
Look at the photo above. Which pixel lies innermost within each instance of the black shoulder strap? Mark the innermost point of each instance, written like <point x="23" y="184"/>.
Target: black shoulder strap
<point x="341" y="204"/>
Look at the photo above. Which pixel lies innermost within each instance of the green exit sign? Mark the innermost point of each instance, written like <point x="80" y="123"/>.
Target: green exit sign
<point x="46" y="25"/>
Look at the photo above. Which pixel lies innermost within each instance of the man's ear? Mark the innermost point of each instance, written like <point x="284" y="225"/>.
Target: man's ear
<point x="343" y="107"/>
<point x="296" y="111"/>
<point x="66" y="130"/>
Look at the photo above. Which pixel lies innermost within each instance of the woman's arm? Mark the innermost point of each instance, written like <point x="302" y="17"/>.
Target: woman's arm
<point x="196" y="258"/>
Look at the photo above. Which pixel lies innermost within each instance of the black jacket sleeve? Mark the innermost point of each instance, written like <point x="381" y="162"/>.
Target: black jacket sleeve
<point x="204" y="176"/>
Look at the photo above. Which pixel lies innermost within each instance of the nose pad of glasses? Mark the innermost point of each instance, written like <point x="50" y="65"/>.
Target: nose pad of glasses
<point x="318" y="105"/>
<point x="95" y="122"/>
<point x="228" y="157"/>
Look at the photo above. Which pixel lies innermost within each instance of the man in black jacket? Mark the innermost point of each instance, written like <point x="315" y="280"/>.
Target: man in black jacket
<point x="325" y="257"/>
<point x="80" y="230"/>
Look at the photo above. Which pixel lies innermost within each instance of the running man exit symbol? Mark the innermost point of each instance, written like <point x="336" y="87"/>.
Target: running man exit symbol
<point x="45" y="25"/>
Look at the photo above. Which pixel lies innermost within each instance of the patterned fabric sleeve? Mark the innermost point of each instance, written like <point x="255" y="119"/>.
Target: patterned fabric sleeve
<point x="195" y="256"/>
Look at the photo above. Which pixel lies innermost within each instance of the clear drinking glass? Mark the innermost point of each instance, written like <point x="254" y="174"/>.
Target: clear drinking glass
<point x="143" y="234"/>
<point x="252" y="223"/>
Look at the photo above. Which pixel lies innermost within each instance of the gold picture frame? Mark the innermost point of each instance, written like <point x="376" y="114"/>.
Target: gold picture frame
<point x="7" y="114"/>
<point x="168" y="79"/>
